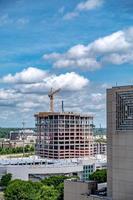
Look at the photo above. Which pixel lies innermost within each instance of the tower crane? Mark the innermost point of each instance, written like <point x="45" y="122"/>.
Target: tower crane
<point x="51" y="96"/>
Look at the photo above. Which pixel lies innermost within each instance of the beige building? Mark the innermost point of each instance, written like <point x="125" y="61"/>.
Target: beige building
<point x="82" y="190"/>
<point x="120" y="142"/>
<point x="73" y="190"/>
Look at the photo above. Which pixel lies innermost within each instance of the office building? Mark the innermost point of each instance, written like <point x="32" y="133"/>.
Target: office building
<point x="120" y="142"/>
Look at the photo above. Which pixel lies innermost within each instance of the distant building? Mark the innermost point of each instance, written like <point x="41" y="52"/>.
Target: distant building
<point x="100" y="147"/>
<point x="120" y="142"/>
<point x="21" y="134"/>
<point x="64" y="135"/>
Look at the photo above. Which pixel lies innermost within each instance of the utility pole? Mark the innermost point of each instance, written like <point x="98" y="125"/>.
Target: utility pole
<point x="23" y="127"/>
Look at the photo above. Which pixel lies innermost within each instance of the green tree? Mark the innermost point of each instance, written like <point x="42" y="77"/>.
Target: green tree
<point x="60" y="189"/>
<point x="48" y="193"/>
<point x="5" y="179"/>
<point x="22" y="190"/>
<point x="99" y="175"/>
<point x="54" y="180"/>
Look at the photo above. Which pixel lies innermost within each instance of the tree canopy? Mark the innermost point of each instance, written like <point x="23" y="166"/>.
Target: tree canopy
<point x="51" y="188"/>
<point x="99" y="175"/>
<point x="5" y="179"/>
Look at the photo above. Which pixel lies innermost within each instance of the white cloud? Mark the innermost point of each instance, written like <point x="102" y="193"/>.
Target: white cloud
<point x="29" y="75"/>
<point x="116" y="42"/>
<point x="70" y="15"/>
<point x="34" y="80"/>
<point x="83" y="6"/>
<point x="24" y="98"/>
<point x="67" y="82"/>
<point x="116" y="48"/>
<point x="89" y="5"/>
<point x="86" y="63"/>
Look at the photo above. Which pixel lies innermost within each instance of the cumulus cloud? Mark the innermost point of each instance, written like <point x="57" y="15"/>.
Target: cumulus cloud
<point x="26" y="96"/>
<point x="67" y="82"/>
<point x="29" y="75"/>
<point x="116" y="48"/>
<point x="34" y="80"/>
<point x="83" y="6"/>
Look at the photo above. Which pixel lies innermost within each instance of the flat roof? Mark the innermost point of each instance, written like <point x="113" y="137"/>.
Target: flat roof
<point x="43" y="114"/>
<point x="122" y="87"/>
<point x="36" y="159"/>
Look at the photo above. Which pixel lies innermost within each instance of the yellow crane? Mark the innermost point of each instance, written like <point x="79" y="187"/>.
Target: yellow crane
<point x="51" y="96"/>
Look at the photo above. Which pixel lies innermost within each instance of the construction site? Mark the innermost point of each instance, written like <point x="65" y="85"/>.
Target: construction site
<point x="62" y="135"/>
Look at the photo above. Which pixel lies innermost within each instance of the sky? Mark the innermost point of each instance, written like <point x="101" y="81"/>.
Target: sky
<point x="82" y="47"/>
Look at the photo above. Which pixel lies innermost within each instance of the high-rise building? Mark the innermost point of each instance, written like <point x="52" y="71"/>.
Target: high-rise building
<point x="64" y="135"/>
<point x="120" y="142"/>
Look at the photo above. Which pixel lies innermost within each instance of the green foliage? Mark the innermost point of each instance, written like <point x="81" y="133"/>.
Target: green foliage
<point x="27" y="190"/>
<point x="5" y="179"/>
<point x="51" y="188"/>
<point x="60" y="189"/>
<point x="4" y="132"/>
<point x="101" y="140"/>
<point x="99" y="175"/>
<point x="54" y="180"/>
<point x="22" y="190"/>
<point x="48" y="193"/>
<point x="14" y="150"/>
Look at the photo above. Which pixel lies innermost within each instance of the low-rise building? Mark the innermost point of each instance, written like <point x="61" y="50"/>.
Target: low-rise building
<point x="84" y="190"/>
<point x="37" y="168"/>
<point x="90" y="165"/>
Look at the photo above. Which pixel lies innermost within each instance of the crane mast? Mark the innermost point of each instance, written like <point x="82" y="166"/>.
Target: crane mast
<point x="51" y="96"/>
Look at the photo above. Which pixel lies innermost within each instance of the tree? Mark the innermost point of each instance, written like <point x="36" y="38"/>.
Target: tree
<point x="6" y="179"/>
<point x="99" y="175"/>
<point x="22" y="190"/>
<point x="28" y="190"/>
<point x="54" y="180"/>
<point x="48" y="193"/>
<point x="60" y="189"/>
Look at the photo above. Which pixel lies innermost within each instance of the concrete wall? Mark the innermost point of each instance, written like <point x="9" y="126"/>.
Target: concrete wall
<point x="74" y="189"/>
<point x="120" y="150"/>
<point x="92" y="197"/>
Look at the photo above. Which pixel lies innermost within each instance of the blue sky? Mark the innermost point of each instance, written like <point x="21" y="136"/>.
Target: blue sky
<point x="83" y="47"/>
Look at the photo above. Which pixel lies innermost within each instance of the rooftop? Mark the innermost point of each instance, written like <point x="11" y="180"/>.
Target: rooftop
<point x="36" y="160"/>
<point x="43" y="114"/>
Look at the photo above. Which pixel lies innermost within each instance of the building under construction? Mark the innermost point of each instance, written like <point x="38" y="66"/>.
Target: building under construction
<point x="63" y="135"/>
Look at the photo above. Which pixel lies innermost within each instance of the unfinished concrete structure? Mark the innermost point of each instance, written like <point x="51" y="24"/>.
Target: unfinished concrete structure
<point x="120" y="142"/>
<point x="64" y="135"/>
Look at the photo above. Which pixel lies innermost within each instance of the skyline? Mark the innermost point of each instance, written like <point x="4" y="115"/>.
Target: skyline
<point x="83" y="47"/>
